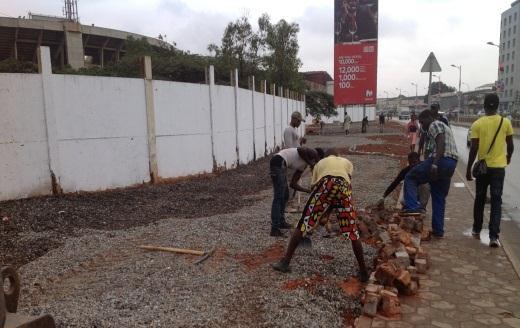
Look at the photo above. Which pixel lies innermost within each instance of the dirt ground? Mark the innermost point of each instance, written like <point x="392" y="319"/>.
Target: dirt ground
<point x="34" y="226"/>
<point x="79" y="260"/>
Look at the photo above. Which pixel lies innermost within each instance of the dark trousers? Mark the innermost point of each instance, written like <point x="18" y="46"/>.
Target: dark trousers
<point x="439" y="189"/>
<point x="278" y="173"/>
<point x="494" y="178"/>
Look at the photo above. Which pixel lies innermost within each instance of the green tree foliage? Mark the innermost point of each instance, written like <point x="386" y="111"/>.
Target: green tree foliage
<point x="12" y="65"/>
<point x="168" y="63"/>
<point x="320" y="104"/>
<point x="439" y="87"/>
<point x="270" y="52"/>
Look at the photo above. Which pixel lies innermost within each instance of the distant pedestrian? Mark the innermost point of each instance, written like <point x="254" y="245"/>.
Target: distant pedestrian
<point x="296" y="159"/>
<point x="322" y="126"/>
<point x="436" y="170"/>
<point x="489" y="136"/>
<point x="346" y="124"/>
<point x="381" y="122"/>
<point x="412" y="130"/>
<point x="291" y="138"/>
<point x="364" y="124"/>
<point x="331" y="181"/>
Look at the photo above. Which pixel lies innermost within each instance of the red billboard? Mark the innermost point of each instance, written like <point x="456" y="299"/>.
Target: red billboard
<point x="355" y="52"/>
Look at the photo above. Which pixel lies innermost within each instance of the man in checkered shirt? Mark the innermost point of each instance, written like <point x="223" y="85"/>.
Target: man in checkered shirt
<point x="436" y="170"/>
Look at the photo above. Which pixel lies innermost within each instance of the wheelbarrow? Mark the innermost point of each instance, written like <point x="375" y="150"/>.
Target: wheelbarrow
<point x="9" y="305"/>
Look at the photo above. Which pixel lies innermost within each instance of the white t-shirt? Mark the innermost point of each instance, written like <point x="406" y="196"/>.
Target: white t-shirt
<point x="293" y="159"/>
<point x="290" y="137"/>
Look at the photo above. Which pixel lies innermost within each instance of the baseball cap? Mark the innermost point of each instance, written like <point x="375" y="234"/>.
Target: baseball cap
<point x="298" y="116"/>
<point x="491" y="101"/>
<point x="435" y="106"/>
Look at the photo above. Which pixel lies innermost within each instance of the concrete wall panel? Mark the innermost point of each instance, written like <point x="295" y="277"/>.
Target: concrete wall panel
<point x="24" y="163"/>
<point x="101" y="125"/>
<point x="245" y="126"/>
<point x="259" y="124"/>
<point x="182" y="128"/>
<point x="269" y="120"/>
<point x="224" y="126"/>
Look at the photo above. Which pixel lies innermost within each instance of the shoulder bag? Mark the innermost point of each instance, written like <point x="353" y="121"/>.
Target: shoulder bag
<point x="480" y="167"/>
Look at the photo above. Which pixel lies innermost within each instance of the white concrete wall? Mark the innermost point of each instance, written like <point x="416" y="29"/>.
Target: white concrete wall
<point x="224" y="132"/>
<point x="259" y="124"/>
<point x="245" y="126"/>
<point x="182" y="128"/>
<point x="24" y="162"/>
<point x="100" y="138"/>
<point x="269" y="115"/>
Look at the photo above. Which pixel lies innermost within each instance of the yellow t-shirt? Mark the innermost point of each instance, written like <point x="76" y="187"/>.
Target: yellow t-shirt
<point x="484" y="130"/>
<point x="334" y="166"/>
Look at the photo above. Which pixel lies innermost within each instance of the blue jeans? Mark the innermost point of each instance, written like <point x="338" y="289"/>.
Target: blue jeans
<point x="495" y="180"/>
<point x="439" y="189"/>
<point x="281" y="193"/>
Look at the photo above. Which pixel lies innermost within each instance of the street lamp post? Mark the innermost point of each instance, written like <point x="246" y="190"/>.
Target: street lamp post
<point x="399" y="89"/>
<point x="416" y="86"/>
<point x="386" y="102"/>
<point x="498" y="74"/>
<point x="459" y="67"/>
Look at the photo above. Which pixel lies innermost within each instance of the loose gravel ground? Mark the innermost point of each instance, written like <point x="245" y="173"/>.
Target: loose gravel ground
<point x="96" y="276"/>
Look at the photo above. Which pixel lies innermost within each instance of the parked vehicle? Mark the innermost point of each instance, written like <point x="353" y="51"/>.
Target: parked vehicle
<point x="404" y="115"/>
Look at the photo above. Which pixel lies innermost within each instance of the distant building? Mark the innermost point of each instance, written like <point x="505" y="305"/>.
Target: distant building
<point x="319" y="81"/>
<point x="509" y="57"/>
<point x="70" y="42"/>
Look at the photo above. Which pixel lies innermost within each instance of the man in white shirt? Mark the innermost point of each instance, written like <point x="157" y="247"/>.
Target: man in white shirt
<point x="291" y="139"/>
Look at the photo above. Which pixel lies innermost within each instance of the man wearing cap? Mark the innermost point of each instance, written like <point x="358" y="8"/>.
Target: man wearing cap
<point x="291" y="138"/>
<point x="483" y="131"/>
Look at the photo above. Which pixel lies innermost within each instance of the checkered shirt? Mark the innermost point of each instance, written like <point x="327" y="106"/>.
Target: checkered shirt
<point x="450" y="148"/>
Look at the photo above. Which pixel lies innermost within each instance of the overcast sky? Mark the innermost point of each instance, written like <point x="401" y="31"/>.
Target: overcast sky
<point x="455" y="30"/>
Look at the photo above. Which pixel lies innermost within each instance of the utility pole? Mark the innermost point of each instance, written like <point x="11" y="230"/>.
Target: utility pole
<point x="460" y="82"/>
<point x="415" y="84"/>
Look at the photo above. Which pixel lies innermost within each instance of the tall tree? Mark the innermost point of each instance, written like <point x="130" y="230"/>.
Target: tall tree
<point x="320" y="104"/>
<point x="281" y="59"/>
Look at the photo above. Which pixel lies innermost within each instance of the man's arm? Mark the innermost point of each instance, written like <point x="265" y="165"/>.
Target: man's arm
<point x="473" y="151"/>
<point x="294" y="182"/>
<point x="421" y="143"/>
<point x="510" y="148"/>
<point x="396" y="182"/>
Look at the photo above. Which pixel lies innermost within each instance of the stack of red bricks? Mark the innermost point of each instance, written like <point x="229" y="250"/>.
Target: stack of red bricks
<point x="400" y="262"/>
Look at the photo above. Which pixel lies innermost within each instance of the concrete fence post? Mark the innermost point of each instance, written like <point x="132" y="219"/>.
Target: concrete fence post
<point x="51" y="130"/>
<point x="264" y="89"/>
<point x="236" y="90"/>
<point x="252" y="85"/>
<point x="273" y="94"/>
<point x="146" y="63"/>
<point x="281" y="117"/>
<point x="211" y="80"/>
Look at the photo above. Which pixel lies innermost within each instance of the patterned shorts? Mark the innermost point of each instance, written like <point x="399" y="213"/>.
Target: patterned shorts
<point x="330" y="193"/>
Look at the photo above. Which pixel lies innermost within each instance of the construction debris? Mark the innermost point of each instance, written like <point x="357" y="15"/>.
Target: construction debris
<point x="401" y="259"/>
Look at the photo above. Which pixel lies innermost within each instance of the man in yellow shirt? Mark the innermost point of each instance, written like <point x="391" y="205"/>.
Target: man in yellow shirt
<point x="483" y="132"/>
<point x="331" y="189"/>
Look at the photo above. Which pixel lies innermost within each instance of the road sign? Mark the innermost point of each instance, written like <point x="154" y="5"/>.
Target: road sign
<point x="431" y="65"/>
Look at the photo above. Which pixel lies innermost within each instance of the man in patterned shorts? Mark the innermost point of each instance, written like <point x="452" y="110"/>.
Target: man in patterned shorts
<point x="331" y="190"/>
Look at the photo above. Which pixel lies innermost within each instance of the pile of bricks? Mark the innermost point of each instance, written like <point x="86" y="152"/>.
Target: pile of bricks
<point x="400" y="262"/>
